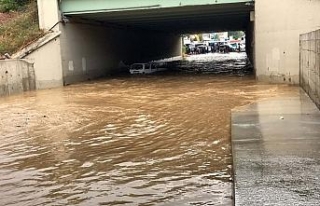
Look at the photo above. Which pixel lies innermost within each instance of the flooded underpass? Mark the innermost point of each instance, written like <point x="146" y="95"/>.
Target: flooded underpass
<point x="132" y="140"/>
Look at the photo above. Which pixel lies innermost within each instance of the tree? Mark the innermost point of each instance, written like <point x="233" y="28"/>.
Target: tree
<point x="236" y="34"/>
<point x="215" y="37"/>
<point x="197" y="37"/>
<point x="12" y="5"/>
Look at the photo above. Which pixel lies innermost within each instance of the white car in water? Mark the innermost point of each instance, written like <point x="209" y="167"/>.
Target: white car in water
<point x="146" y="68"/>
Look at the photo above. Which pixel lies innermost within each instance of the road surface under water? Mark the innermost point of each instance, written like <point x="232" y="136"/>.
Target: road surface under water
<point x="146" y="140"/>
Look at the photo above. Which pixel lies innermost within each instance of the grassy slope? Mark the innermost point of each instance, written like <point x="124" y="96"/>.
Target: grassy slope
<point x="20" y="30"/>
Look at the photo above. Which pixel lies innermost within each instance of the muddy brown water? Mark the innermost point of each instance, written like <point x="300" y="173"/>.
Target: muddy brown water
<point x="147" y="140"/>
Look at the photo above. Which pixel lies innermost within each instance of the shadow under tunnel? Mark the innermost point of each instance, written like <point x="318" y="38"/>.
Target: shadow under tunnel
<point x="98" y="44"/>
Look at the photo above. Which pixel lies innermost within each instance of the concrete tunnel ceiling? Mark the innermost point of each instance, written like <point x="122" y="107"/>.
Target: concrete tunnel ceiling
<point x="181" y="19"/>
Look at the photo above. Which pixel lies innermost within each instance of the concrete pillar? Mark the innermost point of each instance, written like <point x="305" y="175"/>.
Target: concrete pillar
<point x="49" y="14"/>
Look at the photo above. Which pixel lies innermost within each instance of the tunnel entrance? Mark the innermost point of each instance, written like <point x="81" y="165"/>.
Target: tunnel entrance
<point x="213" y="53"/>
<point x="203" y="53"/>
<point x="142" y="34"/>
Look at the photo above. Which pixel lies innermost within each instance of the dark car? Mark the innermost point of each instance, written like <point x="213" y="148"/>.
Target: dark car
<point x="201" y="49"/>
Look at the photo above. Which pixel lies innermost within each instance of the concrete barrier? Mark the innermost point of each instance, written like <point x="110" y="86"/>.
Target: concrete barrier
<point x="310" y="65"/>
<point x="16" y="76"/>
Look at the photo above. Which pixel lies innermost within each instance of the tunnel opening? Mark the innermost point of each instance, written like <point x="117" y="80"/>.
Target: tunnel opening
<point x="105" y="42"/>
<point x="213" y="53"/>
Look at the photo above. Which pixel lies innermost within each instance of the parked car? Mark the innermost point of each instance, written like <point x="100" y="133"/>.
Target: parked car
<point x="190" y="48"/>
<point x="232" y="47"/>
<point x="201" y="49"/>
<point x="239" y="47"/>
<point x="146" y="68"/>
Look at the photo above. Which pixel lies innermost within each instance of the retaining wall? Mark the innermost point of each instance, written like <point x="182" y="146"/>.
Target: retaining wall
<point x="278" y="25"/>
<point x="16" y="76"/>
<point x="310" y="64"/>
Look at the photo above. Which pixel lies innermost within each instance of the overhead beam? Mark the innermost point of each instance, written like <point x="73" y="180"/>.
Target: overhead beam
<point x="189" y="16"/>
<point x="166" y="13"/>
<point x="89" y="6"/>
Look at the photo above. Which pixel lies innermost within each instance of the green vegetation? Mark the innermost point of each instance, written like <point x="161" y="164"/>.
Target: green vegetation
<point x="22" y="28"/>
<point x="216" y="37"/>
<point x="12" y="5"/>
<point x="236" y="34"/>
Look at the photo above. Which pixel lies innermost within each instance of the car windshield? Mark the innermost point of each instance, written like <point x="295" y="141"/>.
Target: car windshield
<point x="137" y="66"/>
<point x="153" y="66"/>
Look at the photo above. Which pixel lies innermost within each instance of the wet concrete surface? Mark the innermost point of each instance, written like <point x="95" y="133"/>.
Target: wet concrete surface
<point x="131" y="140"/>
<point x="276" y="151"/>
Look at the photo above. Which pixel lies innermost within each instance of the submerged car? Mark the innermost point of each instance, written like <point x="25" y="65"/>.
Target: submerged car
<point x="146" y="68"/>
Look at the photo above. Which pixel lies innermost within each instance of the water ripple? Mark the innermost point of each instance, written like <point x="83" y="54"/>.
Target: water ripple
<point x="154" y="140"/>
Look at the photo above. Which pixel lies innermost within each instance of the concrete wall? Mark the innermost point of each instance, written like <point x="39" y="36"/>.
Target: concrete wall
<point x="47" y="64"/>
<point x="16" y="76"/>
<point x="278" y="25"/>
<point x="46" y="52"/>
<point x="90" y="50"/>
<point x="310" y="64"/>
